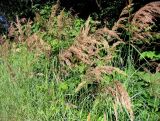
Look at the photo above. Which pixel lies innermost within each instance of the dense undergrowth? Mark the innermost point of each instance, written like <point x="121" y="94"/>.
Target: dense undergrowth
<point x="62" y="68"/>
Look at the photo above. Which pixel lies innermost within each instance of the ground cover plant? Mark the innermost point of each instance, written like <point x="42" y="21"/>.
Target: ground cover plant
<point x="59" y="67"/>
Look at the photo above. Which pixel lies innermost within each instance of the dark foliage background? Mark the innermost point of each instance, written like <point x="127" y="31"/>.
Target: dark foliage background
<point x="23" y="8"/>
<point x="105" y="9"/>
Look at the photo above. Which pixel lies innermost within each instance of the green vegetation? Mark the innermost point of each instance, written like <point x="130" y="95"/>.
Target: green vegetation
<point x="60" y="67"/>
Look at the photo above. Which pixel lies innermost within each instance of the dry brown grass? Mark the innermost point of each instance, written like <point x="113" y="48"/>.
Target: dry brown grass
<point x="37" y="45"/>
<point x="4" y="49"/>
<point x="54" y="11"/>
<point x="2" y="39"/>
<point x="124" y="18"/>
<point x="99" y="70"/>
<point x="58" y="23"/>
<point x="140" y="22"/>
<point x="96" y="75"/>
<point x="19" y="30"/>
<point x="147" y="15"/>
<point x="144" y="19"/>
<point x="121" y="98"/>
<point x="21" y="33"/>
<point x="87" y="46"/>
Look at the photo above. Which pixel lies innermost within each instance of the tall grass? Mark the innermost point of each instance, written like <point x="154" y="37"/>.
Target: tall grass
<point x="29" y="90"/>
<point x="60" y="69"/>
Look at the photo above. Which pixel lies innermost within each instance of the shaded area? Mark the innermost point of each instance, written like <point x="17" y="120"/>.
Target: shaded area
<point x="24" y="8"/>
<point x="104" y="10"/>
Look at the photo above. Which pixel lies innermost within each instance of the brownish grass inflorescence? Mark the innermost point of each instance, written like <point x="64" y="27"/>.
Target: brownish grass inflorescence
<point x="121" y="98"/>
<point x="21" y="33"/>
<point x="38" y="45"/>
<point x="140" y="24"/>
<point x="87" y="49"/>
<point x="87" y="46"/>
<point x="144" y="19"/>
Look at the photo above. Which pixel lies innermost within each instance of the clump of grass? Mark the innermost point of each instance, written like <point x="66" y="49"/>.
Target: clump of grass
<point x="58" y="68"/>
<point x="121" y="98"/>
